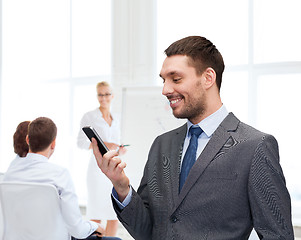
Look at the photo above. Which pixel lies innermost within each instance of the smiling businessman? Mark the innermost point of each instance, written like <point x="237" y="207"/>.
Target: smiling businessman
<point x="212" y="178"/>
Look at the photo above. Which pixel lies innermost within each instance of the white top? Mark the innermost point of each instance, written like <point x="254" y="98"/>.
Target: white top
<point x="99" y="187"/>
<point x="36" y="168"/>
<point x="107" y="133"/>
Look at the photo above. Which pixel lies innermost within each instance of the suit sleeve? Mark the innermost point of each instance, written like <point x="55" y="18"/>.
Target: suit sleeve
<point x="136" y="216"/>
<point x="269" y="198"/>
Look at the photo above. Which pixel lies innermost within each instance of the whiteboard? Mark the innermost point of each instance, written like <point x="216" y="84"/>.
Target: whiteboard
<point x="145" y="115"/>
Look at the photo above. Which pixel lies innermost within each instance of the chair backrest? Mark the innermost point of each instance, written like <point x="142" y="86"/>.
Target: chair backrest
<point x="31" y="211"/>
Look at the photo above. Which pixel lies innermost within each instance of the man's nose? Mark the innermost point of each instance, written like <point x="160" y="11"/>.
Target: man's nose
<point x="167" y="88"/>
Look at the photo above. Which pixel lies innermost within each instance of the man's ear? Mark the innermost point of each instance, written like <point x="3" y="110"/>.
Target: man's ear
<point x="52" y="146"/>
<point x="210" y="77"/>
<point x="27" y="140"/>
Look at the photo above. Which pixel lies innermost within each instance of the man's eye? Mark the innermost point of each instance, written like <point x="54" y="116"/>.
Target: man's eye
<point x="176" y="79"/>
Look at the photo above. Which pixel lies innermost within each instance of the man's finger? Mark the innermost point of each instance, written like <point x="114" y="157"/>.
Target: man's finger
<point x="120" y="167"/>
<point x="95" y="148"/>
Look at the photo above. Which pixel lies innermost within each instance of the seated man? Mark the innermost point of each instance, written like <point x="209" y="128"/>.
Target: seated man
<point x="36" y="168"/>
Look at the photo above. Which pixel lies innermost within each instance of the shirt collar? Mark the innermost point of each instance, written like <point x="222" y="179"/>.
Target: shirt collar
<point x="211" y="123"/>
<point x="112" y="114"/>
<point x="35" y="156"/>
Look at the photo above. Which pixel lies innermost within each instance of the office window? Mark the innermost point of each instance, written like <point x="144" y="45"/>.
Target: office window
<point x="91" y="38"/>
<point x="35" y="39"/>
<point x="236" y="100"/>
<point x="53" y="51"/>
<point x="276" y="38"/>
<point x="218" y="20"/>
<point x="278" y="113"/>
<point x="84" y="100"/>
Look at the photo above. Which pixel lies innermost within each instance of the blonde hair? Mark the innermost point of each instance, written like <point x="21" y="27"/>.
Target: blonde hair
<point x="103" y="84"/>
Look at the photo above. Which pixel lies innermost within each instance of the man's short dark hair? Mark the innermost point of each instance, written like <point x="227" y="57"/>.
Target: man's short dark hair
<point x="41" y="133"/>
<point x="202" y="54"/>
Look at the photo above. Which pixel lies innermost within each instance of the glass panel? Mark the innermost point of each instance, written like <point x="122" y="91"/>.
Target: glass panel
<point x="234" y="93"/>
<point x="84" y="99"/>
<point x="26" y="102"/>
<point x="36" y="39"/>
<point x="279" y="115"/>
<point x="91" y="37"/>
<point x="276" y="34"/>
<point x="35" y="49"/>
<point x="225" y="23"/>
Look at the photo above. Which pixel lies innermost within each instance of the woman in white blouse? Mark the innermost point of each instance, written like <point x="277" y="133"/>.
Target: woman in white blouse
<point x="99" y="188"/>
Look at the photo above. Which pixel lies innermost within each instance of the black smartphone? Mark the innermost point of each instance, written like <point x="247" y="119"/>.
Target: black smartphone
<point x="91" y="133"/>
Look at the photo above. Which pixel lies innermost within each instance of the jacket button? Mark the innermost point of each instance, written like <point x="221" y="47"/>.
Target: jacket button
<point x="173" y="219"/>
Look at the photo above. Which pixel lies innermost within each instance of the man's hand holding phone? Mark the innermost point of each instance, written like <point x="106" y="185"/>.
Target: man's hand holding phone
<point x="113" y="168"/>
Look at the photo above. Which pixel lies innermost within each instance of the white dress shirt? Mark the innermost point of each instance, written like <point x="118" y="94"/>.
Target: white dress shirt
<point x="208" y="125"/>
<point x="36" y="168"/>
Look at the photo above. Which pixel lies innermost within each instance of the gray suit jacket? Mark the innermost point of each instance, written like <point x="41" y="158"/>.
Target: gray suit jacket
<point x="236" y="184"/>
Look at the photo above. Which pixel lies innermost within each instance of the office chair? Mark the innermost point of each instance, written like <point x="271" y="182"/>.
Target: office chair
<point x="31" y="211"/>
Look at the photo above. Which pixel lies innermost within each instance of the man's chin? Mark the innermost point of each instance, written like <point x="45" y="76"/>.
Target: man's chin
<point x="178" y="115"/>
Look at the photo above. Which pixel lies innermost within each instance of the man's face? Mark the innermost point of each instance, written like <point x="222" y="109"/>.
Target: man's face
<point x="183" y="88"/>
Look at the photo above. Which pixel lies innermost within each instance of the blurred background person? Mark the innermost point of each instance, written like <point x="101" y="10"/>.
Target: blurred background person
<point x="107" y="125"/>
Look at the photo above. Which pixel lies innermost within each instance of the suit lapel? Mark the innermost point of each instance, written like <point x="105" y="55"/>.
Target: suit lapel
<point x="177" y="142"/>
<point x="216" y="143"/>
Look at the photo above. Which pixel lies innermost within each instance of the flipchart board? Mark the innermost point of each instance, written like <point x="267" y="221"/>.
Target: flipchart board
<point x="145" y="115"/>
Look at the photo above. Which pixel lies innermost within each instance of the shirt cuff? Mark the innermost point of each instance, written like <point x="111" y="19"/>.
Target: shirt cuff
<point x="125" y="202"/>
<point x="94" y="227"/>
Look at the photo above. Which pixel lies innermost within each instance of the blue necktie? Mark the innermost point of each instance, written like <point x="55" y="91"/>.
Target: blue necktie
<point x="190" y="155"/>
